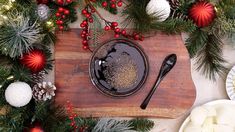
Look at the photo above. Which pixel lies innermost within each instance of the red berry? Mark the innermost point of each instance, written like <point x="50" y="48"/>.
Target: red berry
<point x="116" y="35"/>
<point x="69" y="1"/>
<point x="114" y="24"/>
<point x="123" y="32"/>
<point x="82" y="25"/>
<point x="57" y="14"/>
<point x="119" y="3"/>
<point x="84" y="11"/>
<point x="66" y="12"/>
<point x="93" y="0"/>
<point x="85" y="47"/>
<point x="106" y="28"/>
<point x="104" y="4"/>
<point x="83" y="32"/>
<point x="61" y="9"/>
<point x="60" y="2"/>
<point x="84" y="42"/>
<point x="84" y="22"/>
<point x="88" y="15"/>
<point x="136" y="37"/>
<point x="61" y="27"/>
<point x="63" y="16"/>
<point x="113" y="6"/>
<point x="61" y="22"/>
<point x="113" y="1"/>
<point x="117" y="30"/>
<point x="91" y="20"/>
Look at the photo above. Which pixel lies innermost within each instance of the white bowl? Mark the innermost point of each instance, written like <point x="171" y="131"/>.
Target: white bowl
<point x="212" y="103"/>
<point x="230" y="88"/>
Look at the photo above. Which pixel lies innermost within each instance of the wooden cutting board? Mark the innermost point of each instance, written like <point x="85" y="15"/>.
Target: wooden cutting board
<point x="174" y="97"/>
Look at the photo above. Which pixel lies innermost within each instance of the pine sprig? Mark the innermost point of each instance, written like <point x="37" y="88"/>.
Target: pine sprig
<point x="18" y="34"/>
<point x="196" y="42"/>
<point x="209" y="58"/>
<point x="142" y="125"/>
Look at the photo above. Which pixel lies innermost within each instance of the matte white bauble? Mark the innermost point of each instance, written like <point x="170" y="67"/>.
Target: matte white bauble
<point x="18" y="94"/>
<point x="159" y="8"/>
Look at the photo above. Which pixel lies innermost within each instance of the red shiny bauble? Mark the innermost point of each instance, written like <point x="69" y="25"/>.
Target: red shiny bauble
<point x="35" y="60"/>
<point x="119" y="4"/>
<point x="60" y="9"/>
<point x="116" y="35"/>
<point x="61" y="27"/>
<point x="36" y="127"/>
<point x="114" y="24"/>
<point x="113" y="6"/>
<point x="66" y="12"/>
<point x="202" y="13"/>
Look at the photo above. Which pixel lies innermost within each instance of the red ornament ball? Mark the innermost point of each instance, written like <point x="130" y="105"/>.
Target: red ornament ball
<point x="36" y="127"/>
<point x="202" y="13"/>
<point x="119" y="4"/>
<point x="104" y="4"/>
<point x="42" y="1"/>
<point x="35" y="60"/>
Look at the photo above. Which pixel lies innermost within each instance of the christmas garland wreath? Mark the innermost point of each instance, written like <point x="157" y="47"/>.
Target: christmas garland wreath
<point x="28" y="31"/>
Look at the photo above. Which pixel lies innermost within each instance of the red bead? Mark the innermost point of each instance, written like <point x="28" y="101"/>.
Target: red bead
<point x="91" y="20"/>
<point x="84" y="11"/>
<point x="117" y="30"/>
<point x="83" y="32"/>
<point x="61" y="27"/>
<point x="106" y="28"/>
<point x="60" y="2"/>
<point x="113" y="1"/>
<point x="61" y="22"/>
<point x="119" y="3"/>
<point x="84" y="22"/>
<point x="104" y="4"/>
<point x="113" y="5"/>
<point x="116" y="35"/>
<point x="136" y="37"/>
<point x="85" y="47"/>
<point x="61" y="9"/>
<point x="123" y="32"/>
<point x="114" y="24"/>
<point x="57" y="14"/>
<point x="63" y="16"/>
<point x="66" y="12"/>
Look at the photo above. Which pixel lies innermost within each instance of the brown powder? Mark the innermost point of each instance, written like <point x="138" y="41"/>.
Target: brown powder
<point x="121" y="72"/>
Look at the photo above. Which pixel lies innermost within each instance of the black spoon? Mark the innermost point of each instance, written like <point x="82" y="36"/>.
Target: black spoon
<point x="167" y="65"/>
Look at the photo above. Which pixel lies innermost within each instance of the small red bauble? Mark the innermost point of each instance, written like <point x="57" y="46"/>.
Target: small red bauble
<point x="117" y="30"/>
<point x="61" y="27"/>
<point x="84" y="11"/>
<point x="34" y="60"/>
<point x="68" y="1"/>
<point x="106" y="28"/>
<point x="123" y="32"/>
<point x="202" y="13"/>
<point x="57" y="14"/>
<point x="136" y="37"/>
<point x="36" y="127"/>
<point x="104" y="4"/>
<point x="116" y="35"/>
<point x="85" y="47"/>
<point x="91" y="20"/>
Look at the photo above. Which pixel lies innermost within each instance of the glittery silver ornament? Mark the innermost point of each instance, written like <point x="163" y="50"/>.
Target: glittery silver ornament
<point x="43" y="12"/>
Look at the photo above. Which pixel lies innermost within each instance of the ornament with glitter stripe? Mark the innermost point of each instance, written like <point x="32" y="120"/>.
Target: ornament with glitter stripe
<point x="34" y="60"/>
<point x="202" y="13"/>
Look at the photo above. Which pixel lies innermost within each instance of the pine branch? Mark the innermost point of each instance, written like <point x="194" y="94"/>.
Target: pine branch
<point x="111" y="125"/>
<point x="97" y="32"/>
<point x="209" y="58"/>
<point x="196" y="42"/>
<point x="227" y="7"/>
<point x="142" y="125"/>
<point x="17" y="35"/>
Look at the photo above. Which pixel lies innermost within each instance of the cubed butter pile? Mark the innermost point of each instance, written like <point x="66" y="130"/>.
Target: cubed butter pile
<point x="212" y="119"/>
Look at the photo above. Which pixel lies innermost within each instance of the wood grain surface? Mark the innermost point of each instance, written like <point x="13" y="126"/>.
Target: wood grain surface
<point x="175" y="95"/>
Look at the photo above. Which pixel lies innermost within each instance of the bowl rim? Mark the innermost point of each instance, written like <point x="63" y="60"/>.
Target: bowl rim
<point x="146" y="63"/>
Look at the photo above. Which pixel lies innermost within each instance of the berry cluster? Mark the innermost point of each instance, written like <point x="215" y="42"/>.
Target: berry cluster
<point x="72" y="118"/>
<point x="114" y="26"/>
<point x="87" y="12"/>
<point x="64" y="2"/>
<point x="112" y="3"/>
<point x="61" y="15"/>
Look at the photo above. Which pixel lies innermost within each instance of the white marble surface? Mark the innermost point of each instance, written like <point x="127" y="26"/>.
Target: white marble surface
<point x="207" y="90"/>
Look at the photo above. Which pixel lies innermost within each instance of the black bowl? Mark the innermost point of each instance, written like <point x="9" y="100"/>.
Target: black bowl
<point x="118" y="68"/>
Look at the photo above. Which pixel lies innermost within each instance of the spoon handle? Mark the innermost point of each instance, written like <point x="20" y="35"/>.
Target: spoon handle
<point x="167" y="65"/>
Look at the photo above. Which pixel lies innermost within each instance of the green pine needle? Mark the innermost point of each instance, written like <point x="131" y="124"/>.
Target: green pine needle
<point x="18" y="34"/>
<point x="142" y="125"/>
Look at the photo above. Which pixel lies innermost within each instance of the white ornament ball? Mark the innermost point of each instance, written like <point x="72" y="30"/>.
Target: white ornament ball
<point x="159" y="8"/>
<point x="18" y="94"/>
<point x="43" y="11"/>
